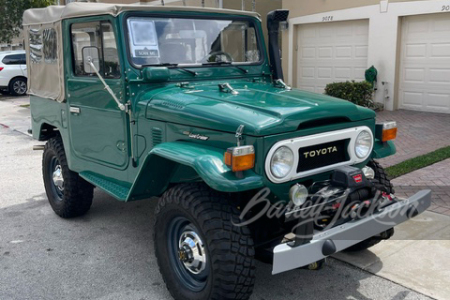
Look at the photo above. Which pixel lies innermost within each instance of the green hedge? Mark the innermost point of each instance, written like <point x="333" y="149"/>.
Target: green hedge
<point x="360" y="93"/>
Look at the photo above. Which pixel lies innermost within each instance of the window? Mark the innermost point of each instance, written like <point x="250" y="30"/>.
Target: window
<point x="15" y="59"/>
<point x="50" y="45"/>
<point x="35" y="45"/>
<point x="101" y="36"/>
<point x="157" y="41"/>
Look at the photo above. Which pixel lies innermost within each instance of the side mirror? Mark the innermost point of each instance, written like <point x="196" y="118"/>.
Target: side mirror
<point x="156" y="74"/>
<point x="91" y="54"/>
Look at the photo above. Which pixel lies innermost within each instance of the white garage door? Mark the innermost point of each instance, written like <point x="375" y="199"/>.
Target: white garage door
<point x="425" y="63"/>
<point x="331" y="52"/>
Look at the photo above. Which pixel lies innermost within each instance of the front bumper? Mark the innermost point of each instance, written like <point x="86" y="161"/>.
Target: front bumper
<point x="325" y="243"/>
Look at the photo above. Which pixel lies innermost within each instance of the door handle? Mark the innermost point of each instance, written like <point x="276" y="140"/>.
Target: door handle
<point x="75" y="110"/>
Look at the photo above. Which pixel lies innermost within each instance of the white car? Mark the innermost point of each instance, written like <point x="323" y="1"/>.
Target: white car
<point x="13" y="72"/>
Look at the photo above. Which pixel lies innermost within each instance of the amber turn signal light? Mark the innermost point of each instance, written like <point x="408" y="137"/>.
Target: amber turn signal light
<point x="240" y="158"/>
<point x="386" y="131"/>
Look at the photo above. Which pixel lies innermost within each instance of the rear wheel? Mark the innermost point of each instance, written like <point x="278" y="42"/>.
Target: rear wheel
<point x="200" y="253"/>
<point x="69" y="194"/>
<point x="18" y="87"/>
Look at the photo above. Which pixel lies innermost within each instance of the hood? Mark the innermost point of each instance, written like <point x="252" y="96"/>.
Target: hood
<point x="260" y="107"/>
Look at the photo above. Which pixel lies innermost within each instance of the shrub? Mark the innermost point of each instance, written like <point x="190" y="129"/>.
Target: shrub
<point x="360" y="93"/>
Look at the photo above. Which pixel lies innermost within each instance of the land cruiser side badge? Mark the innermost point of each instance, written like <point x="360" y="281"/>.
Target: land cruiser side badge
<point x="196" y="136"/>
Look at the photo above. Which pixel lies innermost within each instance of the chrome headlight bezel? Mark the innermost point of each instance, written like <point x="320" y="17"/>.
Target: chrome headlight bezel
<point x="363" y="144"/>
<point x="285" y="166"/>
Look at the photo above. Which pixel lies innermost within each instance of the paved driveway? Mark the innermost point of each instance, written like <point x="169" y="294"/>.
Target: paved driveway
<point x="418" y="133"/>
<point x="435" y="177"/>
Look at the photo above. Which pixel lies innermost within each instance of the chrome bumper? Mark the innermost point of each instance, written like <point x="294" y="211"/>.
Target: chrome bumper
<point x="336" y="239"/>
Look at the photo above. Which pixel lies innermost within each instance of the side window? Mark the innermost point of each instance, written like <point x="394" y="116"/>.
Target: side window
<point x="111" y="56"/>
<point x="16" y="59"/>
<point x="50" y="45"/>
<point x="101" y="36"/>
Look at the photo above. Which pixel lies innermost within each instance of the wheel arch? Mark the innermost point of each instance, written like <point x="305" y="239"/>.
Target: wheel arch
<point x="46" y="132"/>
<point x="176" y="162"/>
<point x="16" y="77"/>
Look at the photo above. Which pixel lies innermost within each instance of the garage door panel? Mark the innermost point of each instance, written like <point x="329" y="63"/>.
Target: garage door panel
<point x="439" y="76"/>
<point x="324" y="73"/>
<point x="440" y="50"/>
<point x="413" y="98"/>
<point x="414" y="75"/>
<point x="438" y="101"/>
<point x="343" y="73"/>
<point x="308" y="52"/>
<point x="425" y="63"/>
<point x="325" y="52"/>
<point x="340" y="53"/>
<point x="416" y="50"/>
<point x="361" y="51"/>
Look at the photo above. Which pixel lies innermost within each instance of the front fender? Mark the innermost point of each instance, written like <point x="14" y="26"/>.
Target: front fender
<point x="163" y="161"/>
<point x="383" y="149"/>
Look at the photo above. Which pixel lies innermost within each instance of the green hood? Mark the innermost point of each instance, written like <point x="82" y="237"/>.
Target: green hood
<point x="262" y="108"/>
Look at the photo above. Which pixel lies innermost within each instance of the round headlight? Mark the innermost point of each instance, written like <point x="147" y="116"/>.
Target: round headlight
<point x="363" y="144"/>
<point x="282" y="162"/>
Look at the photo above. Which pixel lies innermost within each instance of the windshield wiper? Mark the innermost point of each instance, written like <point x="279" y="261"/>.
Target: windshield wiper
<point x="173" y="65"/>
<point x="228" y="63"/>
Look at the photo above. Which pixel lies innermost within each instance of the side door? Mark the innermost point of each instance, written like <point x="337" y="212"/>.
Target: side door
<point x="98" y="128"/>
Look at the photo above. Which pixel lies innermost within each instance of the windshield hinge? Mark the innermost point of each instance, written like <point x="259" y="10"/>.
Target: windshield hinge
<point x="279" y="83"/>
<point x="227" y="88"/>
<point x="185" y="85"/>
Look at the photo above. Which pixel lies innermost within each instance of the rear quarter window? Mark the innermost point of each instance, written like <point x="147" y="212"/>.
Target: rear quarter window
<point x="15" y="59"/>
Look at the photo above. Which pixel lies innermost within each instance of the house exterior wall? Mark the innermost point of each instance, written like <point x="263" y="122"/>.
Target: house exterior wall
<point x="384" y="33"/>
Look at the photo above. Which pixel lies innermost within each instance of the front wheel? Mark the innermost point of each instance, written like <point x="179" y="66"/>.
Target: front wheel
<point x="200" y="253"/>
<point x="383" y="183"/>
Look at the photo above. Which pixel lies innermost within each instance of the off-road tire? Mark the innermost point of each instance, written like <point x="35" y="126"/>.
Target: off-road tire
<point x="229" y="248"/>
<point x="76" y="198"/>
<point x="381" y="177"/>
<point x="383" y="183"/>
<point x="20" y="81"/>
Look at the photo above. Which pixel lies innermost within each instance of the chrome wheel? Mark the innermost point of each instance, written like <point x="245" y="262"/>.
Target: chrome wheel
<point x="187" y="254"/>
<point x="57" y="177"/>
<point x="20" y="87"/>
<point x="192" y="252"/>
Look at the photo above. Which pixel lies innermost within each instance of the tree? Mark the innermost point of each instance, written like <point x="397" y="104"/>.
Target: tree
<point x="11" y="12"/>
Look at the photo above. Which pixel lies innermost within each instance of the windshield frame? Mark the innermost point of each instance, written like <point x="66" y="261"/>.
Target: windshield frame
<point x="199" y="16"/>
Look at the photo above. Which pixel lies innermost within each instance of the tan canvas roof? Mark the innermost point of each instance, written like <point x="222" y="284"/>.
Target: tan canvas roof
<point x="53" y="14"/>
<point x="46" y="78"/>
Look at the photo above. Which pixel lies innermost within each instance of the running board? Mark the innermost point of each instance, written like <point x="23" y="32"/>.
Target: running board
<point x="116" y="190"/>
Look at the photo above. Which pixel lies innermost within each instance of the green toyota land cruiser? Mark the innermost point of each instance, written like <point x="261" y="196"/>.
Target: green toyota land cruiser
<point x="188" y="105"/>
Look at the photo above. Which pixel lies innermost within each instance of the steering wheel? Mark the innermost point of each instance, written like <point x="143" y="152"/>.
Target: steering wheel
<point x="215" y="57"/>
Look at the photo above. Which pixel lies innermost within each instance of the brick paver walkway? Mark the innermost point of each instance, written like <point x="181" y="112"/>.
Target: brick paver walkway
<point x="435" y="177"/>
<point x="418" y="133"/>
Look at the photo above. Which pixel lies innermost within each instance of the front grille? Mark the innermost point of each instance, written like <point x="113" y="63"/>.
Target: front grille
<point x="317" y="156"/>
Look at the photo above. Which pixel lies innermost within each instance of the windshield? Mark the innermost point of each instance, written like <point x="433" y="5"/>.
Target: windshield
<point x="178" y="41"/>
